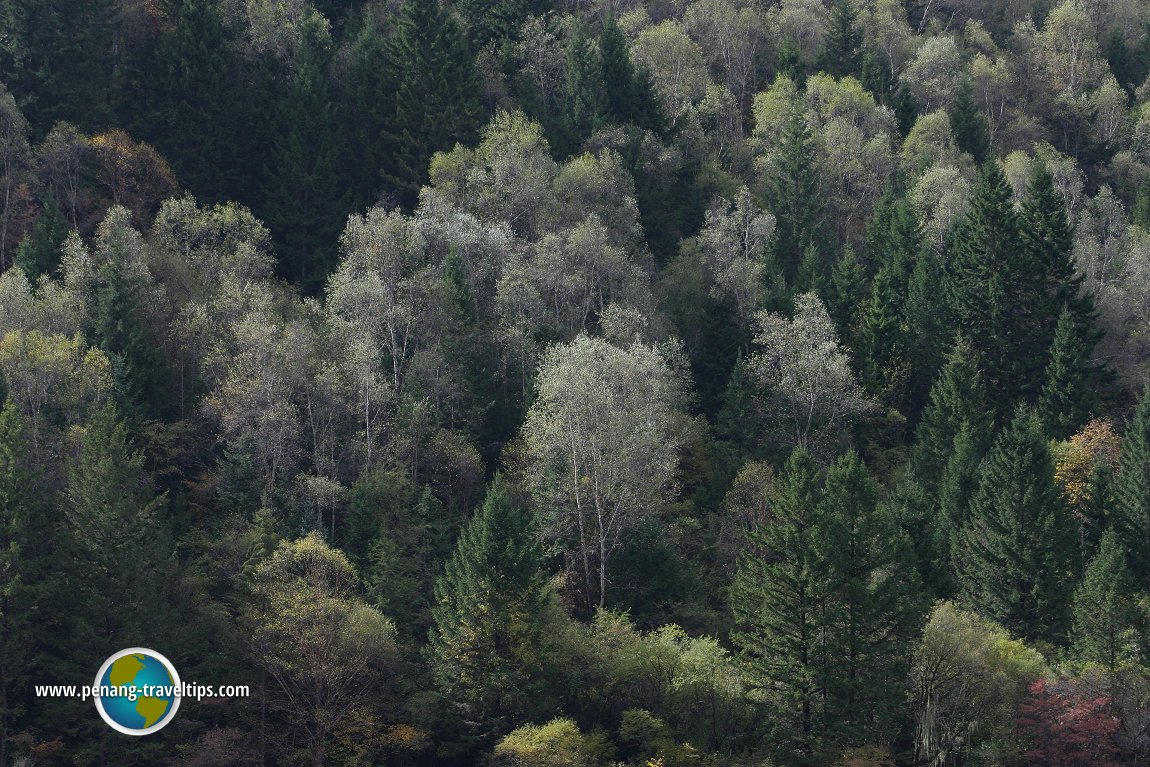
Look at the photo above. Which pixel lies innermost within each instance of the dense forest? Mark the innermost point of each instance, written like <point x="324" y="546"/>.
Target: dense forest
<point x="579" y="383"/>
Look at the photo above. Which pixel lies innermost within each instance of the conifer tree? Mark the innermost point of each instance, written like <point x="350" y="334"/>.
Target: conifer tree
<point x="954" y="489"/>
<point x="843" y="42"/>
<point x="630" y="97"/>
<point x="305" y="201"/>
<point x="489" y="612"/>
<point x="1067" y="397"/>
<point x="926" y="323"/>
<point x="992" y="294"/>
<point x="882" y="344"/>
<point x="585" y="99"/>
<point x="118" y="330"/>
<point x="1140" y="215"/>
<point x="872" y="604"/>
<point x="776" y="598"/>
<point x="437" y="100"/>
<point x="792" y="194"/>
<point x="968" y="124"/>
<point x="845" y="294"/>
<point x="1131" y="517"/>
<point x="1105" y="613"/>
<point x="1015" y="558"/>
<point x="40" y="252"/>
<point x="958" y="397"/>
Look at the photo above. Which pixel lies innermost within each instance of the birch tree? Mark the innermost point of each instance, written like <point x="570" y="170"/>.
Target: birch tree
<point x="602" y="446"/>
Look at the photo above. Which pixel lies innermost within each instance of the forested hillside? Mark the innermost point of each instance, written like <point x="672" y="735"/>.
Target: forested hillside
<point x="541" y="383"/>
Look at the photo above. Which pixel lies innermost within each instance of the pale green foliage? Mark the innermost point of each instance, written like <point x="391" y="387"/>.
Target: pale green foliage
<point x="601" y="444"/>
<point x="806" y="374"/>
<point x="735" y="244"/>
<point x="325" y="651"/>
<point x="930" y="143"/>
<point x="275" y="27"/>
<point x="772" y="109"/>
<point x="1070" y="57"/>
<point x="934" y="73"/>
<point x="940" y="198"/>
<point x="559" y="743"/>
<point x="885" y="29"/>
<point x="967" y="679"/>
<point x="732" y="36"/>
<point x="676" y="64"/>
<point x="801" y="23"/>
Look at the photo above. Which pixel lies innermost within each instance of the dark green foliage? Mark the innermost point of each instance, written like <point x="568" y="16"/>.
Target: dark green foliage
<point x="791" y="194"/>
<point x="882" y="341"/>
<point x="845" y="295"/>
<point x="497" y="21"/>
<point x="305" y="203"/>
<point x="927" y="324"/>
<point x="875" y="76"/>
<point x="39" y="253"/>
<point x="775" y="599"/>
<point x="1106" y="618"/>
<point x="968" y="124"/>
<point x="955" y="486"/>
<point x="873" y="604"/>
<point x="628" y="94"/>
<point x="486" y="645"/>
<point x="1131" y="517"/>
<point x="1141" y="211"/>
<point x="1015" y="558"/>
<point x="1068" y="398"/>
<point x="437" y="93"/>
<point x="905" y="109"/>
<point x="992" y="294"/>
<point x="119" y="330"/>
<point x="841" y="48"/>
<point x="584" y="90"/>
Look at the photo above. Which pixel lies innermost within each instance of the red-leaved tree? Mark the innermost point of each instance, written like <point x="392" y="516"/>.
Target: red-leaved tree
<point x="1066" y="727"/>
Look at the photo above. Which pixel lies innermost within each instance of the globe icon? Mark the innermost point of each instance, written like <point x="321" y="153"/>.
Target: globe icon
<point x="138" y="691"/>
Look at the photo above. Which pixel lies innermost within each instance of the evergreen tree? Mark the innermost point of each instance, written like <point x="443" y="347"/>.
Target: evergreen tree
<point x="1140" y="215"/>
<point x="875" y="75"/>
<point x="141" y="370"/>
<point x="585" y="93"/>
<point x="497" y="21"/>
<point x="630" y="97"/>
<point x="926" y="322"/>
<point x="882" y="342"/>
<point x="40" y="252"/>
<point x="844" y="299"/>
<point x="1067" y="398"/>
<point x="968" y="125"/>
<point x="305" y="200"/>
<point x="792" y="194"/>
<point x="776" y="598"/>
<point x="485" y="647"/>
<point x="992" y="294"/>
<point x="958" y="397"/>
<point x="1131" y="517"/>
<point x="872" y="605"/>
<point x="1105" y="611"/>
<point x="905" y="109"/>
<point x="1015" y="558"/>
<point x="843" y="42"/>
<point x="437" y="99"/>
<point x="119" y="538"/>
<point x="955" y="486"/>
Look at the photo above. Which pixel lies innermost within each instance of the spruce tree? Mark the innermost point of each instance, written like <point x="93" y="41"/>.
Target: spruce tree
<point x="882" y="341"/>
<point x="628" y="94"/>
<point x="968" y="124"/>
<point x="776" y="598"/>
<point x="1067" y="398"/>
<point x="953" y="492"/>
<point x="872" y="604"/>
<point x="1131" y="517"/>
<point x="1015" y="558"/>
<point x="993" y="296"/>
<point x="1140" y="215"/>
<point x="584" y="91"/>
<point x="792" y="194"/>
<point x="305" y="200"/>
<point x="118" y="329"/>
<point x="845" y="294"/>
<point x="486" y="644"/>
<point x="927" y="326"/>
<point x="437" y="98"/>
<point x="40" y="252"/>
<point x="843" y="42"/>
<point x="958" y="397"/>
<point x="1105" y="612"/>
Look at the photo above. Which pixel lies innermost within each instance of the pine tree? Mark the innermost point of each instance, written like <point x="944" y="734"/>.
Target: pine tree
<point x="992" y="294"/>
<point x="1105" y="612"/>
<point x="489" y="612"/>
<point x="1067" y="398"/>
<point x="40" y="252"/>
<point x="872" y="606"/>
<point x="776" y="598"/>
<point x="1131" y="517"/>
<point x="1015" y="558"/>
<point x="843" y="42"/>
<point x="968" y="125"/>
<point x="437" y="101"/>
<point x="792" y="194"/>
